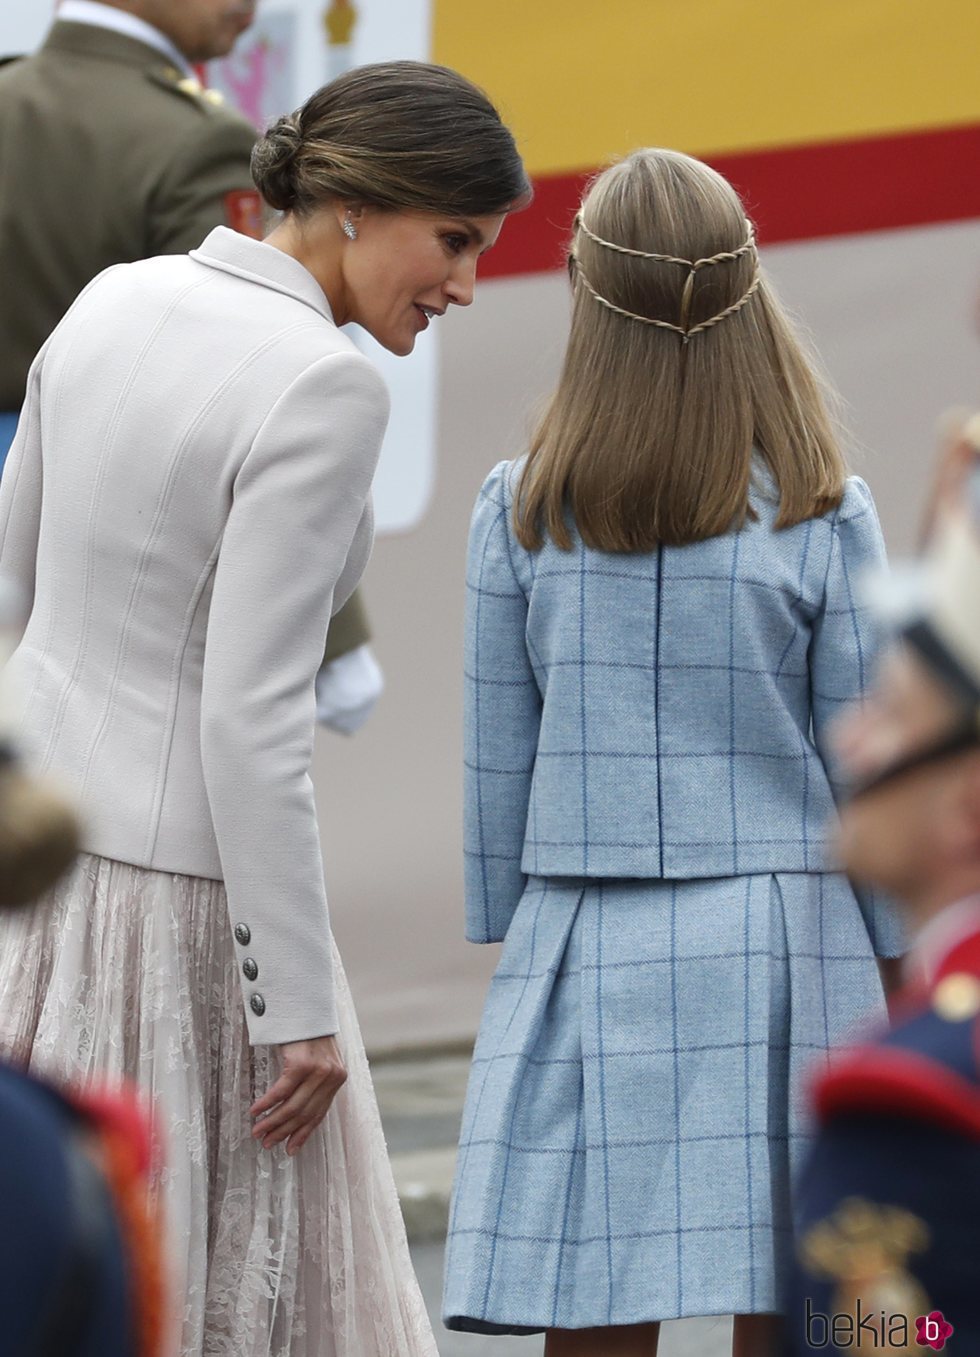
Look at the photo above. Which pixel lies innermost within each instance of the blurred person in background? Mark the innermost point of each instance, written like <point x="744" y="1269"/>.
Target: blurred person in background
<point x="890" y="1201"/>
<point x="139" y="160"/>
<point x="80" y="1265"/>
<point x="208" y="439"/>
<point x="660" y="626"/>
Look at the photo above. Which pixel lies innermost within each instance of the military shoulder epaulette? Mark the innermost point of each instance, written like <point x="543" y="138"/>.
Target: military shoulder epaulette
<point x="169" y="77"/>
<point x="926" y="1069"/>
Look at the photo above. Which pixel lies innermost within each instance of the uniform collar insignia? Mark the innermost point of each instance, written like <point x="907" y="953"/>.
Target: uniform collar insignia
<point x="190" y="85"/>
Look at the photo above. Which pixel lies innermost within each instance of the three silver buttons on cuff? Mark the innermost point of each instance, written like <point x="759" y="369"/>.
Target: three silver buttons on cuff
<point x="243" y="936"/>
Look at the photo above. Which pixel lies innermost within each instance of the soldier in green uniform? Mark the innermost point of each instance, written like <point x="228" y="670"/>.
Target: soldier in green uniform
<point x="113" y="151"/>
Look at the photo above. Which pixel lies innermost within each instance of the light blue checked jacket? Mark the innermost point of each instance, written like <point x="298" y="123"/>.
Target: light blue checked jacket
<point x="660" y="714"/>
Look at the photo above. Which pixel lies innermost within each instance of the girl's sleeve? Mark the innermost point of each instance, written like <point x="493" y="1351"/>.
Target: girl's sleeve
<point x="502" y="713"/>
<point x="843" y="655"/>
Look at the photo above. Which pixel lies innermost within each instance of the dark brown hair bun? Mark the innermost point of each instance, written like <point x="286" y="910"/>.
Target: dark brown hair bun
<point x="396" y="135"/>
<point x="273" y="162"/>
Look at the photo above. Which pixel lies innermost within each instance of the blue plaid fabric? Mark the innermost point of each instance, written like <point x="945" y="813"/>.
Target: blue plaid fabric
<point x="635" y="1113"/>
<point x="647" y="800"/>
<point x="659" y="715"/>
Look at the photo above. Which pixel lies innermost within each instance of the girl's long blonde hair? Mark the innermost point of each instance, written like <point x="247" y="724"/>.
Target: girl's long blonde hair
<point x="674" y="375"/>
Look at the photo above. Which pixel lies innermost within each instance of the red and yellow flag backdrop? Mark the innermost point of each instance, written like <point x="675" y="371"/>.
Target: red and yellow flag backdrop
<point x="831" y="117"/>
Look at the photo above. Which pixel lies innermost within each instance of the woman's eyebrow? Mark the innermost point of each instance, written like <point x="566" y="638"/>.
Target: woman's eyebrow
<point x="474" y="233"/>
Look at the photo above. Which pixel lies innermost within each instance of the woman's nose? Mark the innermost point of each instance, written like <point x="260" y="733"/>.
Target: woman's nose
<point x="462" y="283"/>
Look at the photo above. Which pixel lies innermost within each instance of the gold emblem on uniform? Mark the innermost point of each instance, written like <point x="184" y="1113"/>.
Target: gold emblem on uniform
<point x="865" y="1248"/>
<point x="189" y="86"/>
<point x="957" y="997"/>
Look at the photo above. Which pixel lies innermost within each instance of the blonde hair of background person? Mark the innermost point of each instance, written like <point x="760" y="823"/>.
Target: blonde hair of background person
<point x="622" y="447"/>
<point x="38" y="834"/>
<point x="39" y="831"/>
<point x="660" y="627"/>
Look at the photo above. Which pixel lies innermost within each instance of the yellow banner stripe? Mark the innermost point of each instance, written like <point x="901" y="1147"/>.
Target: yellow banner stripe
<point x="582" y="80"/>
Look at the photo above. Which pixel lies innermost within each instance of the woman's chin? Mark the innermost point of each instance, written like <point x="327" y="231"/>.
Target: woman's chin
<point x="400" y="345"/>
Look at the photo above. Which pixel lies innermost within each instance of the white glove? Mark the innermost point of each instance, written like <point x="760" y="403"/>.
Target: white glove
<point x="347" y="689"/>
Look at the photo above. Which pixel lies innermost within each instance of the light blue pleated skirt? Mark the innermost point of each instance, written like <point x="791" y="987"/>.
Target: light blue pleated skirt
<point x="635" y="1110"/>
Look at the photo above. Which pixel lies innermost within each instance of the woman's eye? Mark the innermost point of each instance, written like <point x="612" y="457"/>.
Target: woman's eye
<point x="456" y="243"/>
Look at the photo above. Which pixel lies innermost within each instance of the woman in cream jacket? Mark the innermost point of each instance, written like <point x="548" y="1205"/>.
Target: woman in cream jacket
<point x="185" y="504"/>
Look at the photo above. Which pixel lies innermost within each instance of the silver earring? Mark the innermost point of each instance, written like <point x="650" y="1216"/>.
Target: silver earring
<point x="349" y="229"/>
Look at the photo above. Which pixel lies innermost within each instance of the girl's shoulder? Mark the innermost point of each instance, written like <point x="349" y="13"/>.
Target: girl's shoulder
<point x="500" y="485"/>
<point x="495" y="502"/>
<point x="857" y="507"/>
<point x="856" y="499"/>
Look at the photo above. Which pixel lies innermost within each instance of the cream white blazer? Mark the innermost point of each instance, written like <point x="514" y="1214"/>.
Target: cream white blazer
<point x="185" y="504"/>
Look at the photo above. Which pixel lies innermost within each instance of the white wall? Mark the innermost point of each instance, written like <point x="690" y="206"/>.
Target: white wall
<point x="23" y="24"/>
<point x="894" y="314"/>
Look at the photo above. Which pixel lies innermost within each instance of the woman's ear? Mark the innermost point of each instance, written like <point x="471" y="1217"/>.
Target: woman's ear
<point x="348" y="215"/>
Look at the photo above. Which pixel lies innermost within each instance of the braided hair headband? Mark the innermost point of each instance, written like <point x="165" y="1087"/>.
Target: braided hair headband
<point x="692" y="265"/>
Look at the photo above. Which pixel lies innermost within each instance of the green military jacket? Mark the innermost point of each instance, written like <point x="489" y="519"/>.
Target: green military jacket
<point x="107" y="154"/>
<point x="349" y="628"/>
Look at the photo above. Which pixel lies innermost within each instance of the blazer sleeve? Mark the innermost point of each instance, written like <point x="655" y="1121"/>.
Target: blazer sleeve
<point x="297" y="518"/>
<point x="502" y="715"/>
<point x="843" y="653"/>
<point x="20" y="493"/>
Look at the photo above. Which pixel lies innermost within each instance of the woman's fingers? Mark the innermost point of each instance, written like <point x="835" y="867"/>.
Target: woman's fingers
<point x="293" y="1076"/>
<point x="283" y="1088"/>
<point x="300" y="1098"/>
<point x="287" y="1129"/>
<point x="286" y="1111"/>
<point x="299" y="1139"/>
<point x="297" y="1116"/>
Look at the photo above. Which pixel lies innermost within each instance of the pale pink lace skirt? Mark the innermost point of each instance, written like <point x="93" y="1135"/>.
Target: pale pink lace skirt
<point x="124" y="971"/>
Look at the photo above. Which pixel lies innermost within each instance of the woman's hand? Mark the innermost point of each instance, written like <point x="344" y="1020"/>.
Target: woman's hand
<point x="313" y="1073"/>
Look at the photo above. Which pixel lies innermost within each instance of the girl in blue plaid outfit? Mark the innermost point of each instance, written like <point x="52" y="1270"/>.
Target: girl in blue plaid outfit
<point x="661" y="624"/>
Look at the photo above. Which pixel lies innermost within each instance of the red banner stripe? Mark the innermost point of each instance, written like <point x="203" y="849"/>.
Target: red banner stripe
<point x="793" y="193"/>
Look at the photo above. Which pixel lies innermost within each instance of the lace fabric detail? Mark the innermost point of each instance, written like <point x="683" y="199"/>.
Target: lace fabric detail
<point x="122" y="971"/>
